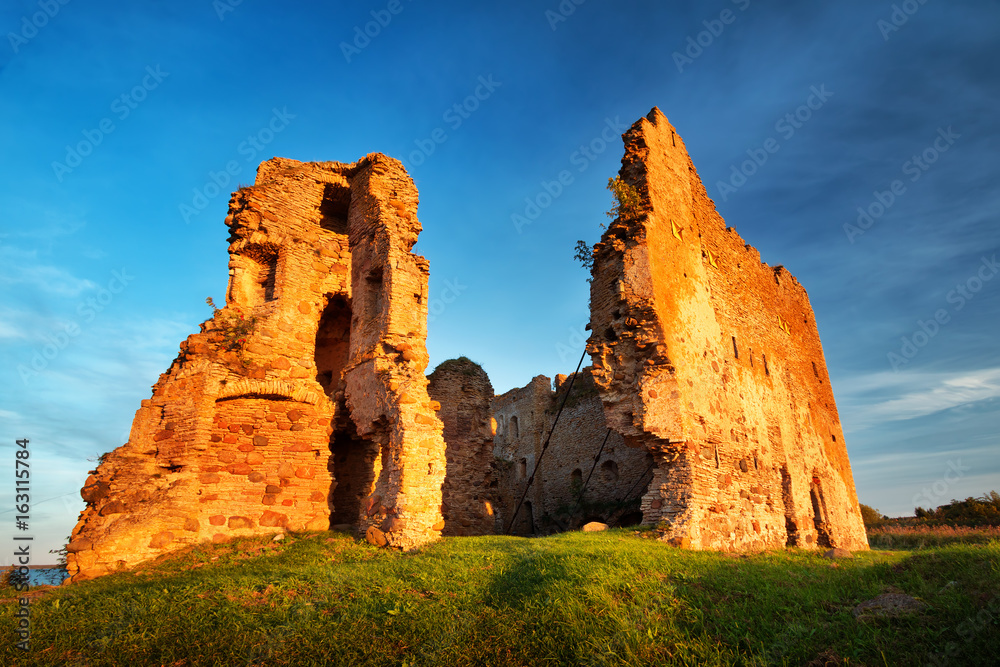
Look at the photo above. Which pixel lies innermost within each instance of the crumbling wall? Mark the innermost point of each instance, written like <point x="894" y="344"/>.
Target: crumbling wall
<point x="524" y="418"/>
<point x="711" y="360"/>
<point x="464" y="392"/>
<point x="316" y="413"/>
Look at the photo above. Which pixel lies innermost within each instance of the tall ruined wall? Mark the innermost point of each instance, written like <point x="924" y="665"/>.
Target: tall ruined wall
<point x="711" y="360"/>
<point x="317" y="415"/>
<point x="524" y="417"/>
<point x="464" y="392"/>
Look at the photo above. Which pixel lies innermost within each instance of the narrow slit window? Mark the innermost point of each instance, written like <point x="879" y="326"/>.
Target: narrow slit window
<point x="736" y="350"/>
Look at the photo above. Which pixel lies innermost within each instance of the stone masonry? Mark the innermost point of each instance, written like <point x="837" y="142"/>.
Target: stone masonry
<point x="524" y="418"/>
<point x="318" y="414"/>
<point x="711" y="360"/>
<point x="464" y="391"/>
<point x="303" y="404"/>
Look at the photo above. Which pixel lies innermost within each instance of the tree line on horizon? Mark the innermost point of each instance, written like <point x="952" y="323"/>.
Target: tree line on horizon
<point x="981" y="511"/>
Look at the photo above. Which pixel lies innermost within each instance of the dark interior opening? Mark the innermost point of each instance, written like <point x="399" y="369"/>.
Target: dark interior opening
<point x="791" y="530"/>
<point x="354" y="471"/>
<point x="529" y="516"/>
<point x="268" y="277"/>
<point x="333" y="342"/>
<point x="334" y="208"/>
<point x="819" y="515"/>
<point x="630" y="519"/>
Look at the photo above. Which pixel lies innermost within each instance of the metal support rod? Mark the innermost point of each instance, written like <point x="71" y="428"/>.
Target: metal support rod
<point x="583" y="489"/>
<point x="546" y="444"/>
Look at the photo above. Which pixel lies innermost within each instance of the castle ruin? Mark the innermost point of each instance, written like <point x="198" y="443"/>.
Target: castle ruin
<point x="711" y="360"/>
<point x="320" y="415"/>
<point x="303" y="403"/>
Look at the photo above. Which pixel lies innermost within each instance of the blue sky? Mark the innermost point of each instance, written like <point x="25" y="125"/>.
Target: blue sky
<point x="116" y="122"/>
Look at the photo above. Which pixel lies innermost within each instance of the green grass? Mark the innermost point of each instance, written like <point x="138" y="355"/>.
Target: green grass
<point x="611" y="598"/>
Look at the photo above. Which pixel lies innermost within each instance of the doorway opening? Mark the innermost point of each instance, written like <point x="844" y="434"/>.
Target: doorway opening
<point x="355" y="470"/>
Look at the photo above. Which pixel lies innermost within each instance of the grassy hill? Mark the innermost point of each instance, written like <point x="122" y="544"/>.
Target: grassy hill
<point x="612" y="598"/>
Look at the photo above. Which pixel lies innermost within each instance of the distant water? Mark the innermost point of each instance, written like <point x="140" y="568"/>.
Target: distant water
<point x="53" y="576"/>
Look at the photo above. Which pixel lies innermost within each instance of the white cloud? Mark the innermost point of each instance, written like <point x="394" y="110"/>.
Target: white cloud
<point x="909" y="396"/>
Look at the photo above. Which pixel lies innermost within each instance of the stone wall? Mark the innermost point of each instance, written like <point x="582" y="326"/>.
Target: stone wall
<point x="318" y="413"/>
<point x="464" y="392"/>
<point x="711" y="360"/>
<point x="524" y="418"/>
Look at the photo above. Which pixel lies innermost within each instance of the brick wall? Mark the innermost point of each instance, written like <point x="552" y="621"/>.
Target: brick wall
<point x="318" y="414"/>
<point x="524" y="418"/>
<point x="464" y="391"/>
<point x="711" y="360"/>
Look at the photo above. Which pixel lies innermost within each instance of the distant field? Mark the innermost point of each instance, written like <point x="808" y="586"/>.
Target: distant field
<point x="612" y="598"/>
<point x="920" y="537"/>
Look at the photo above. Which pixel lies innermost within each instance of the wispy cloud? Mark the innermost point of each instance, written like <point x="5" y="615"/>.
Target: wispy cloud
<point x="914" y="395"/>
<point x="20" y="267"/>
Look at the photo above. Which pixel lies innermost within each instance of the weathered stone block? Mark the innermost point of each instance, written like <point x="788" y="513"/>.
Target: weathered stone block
<point x="238" y="522"/>
<point x="376" y="537"/>
<point x="273" y="519"/>
<point x="161" y="540"/>
<point x="239" y="469"/>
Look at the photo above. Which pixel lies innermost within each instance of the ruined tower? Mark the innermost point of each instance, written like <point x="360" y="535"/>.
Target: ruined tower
<point x="711" y="360"/>
<point x="464" y="392"/>
<point x="303" y="402"/>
